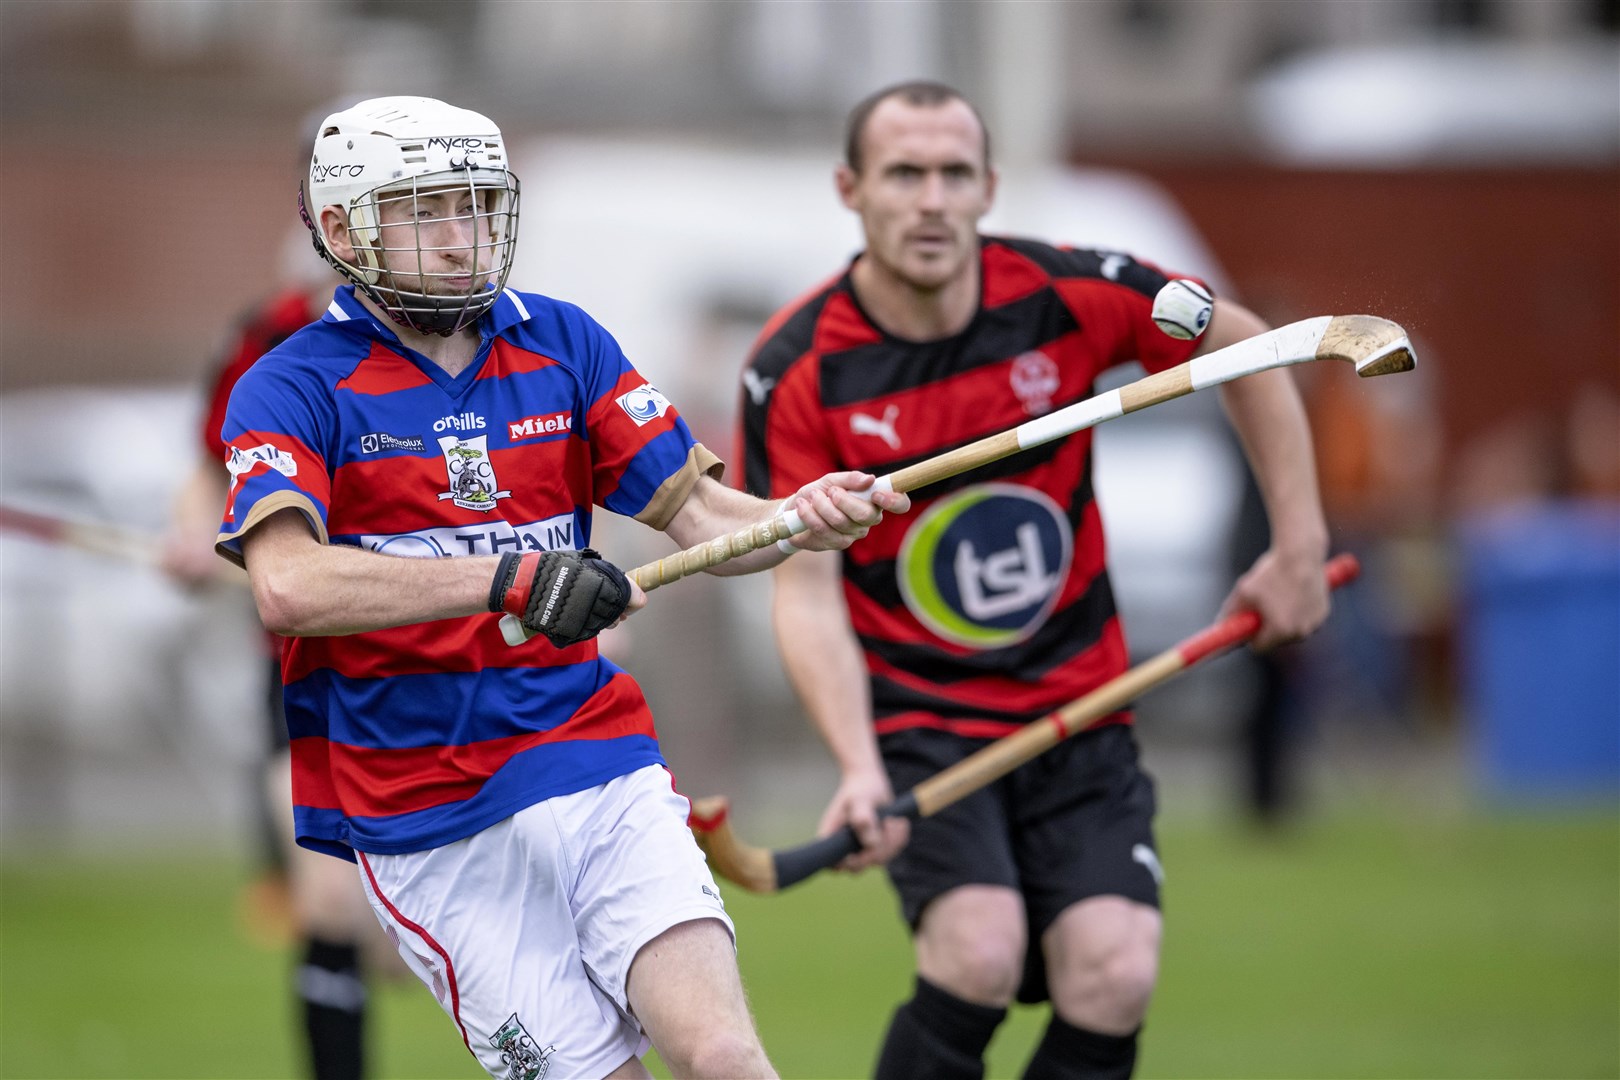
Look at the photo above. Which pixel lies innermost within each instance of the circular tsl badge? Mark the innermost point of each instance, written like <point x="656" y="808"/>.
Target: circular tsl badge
<point x="983" y="567"/>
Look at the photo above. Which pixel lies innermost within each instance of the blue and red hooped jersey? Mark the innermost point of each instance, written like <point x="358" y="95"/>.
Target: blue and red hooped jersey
<point x="415" y="736"/>
<point x="988" y="604"/>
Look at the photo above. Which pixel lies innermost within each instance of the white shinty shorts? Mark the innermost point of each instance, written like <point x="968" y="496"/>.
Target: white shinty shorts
<point x="525" y="931"/>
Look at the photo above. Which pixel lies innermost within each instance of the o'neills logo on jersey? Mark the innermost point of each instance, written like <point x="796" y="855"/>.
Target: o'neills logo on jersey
<point x="467" y="421"/>
<point x="531" y="426"/>
<point x="472" y="476"/>
<point x="644" y="404"/>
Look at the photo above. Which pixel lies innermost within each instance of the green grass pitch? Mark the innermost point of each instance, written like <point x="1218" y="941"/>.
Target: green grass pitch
<point x="1354" y="946"/>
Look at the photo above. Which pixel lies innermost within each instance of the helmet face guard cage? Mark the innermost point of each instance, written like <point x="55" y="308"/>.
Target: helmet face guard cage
<point x="412" y="240"/>
<point x="432" y="209"/>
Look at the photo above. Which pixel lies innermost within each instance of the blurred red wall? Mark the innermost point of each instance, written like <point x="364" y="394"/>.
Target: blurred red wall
<point x="1508" y="280"/>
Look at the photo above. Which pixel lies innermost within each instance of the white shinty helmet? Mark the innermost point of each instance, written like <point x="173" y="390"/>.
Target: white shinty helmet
<point x="389" y="150"/>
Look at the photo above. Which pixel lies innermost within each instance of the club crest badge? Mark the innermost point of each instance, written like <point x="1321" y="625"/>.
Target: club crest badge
<point x="472" y="477"/>
<point x="522" y="1056"/>
<point x="1034" y="379"/>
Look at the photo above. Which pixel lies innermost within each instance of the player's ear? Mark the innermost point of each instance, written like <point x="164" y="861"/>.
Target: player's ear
<point x="990" y="181"/>
<point x="846" y="180"/>
<point x="335" y="228"/>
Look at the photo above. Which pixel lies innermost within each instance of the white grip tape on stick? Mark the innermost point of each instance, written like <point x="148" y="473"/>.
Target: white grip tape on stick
<point x="1291" y="344"/>
<point x="1073" y="418"/>
<point x="795" y="525"/>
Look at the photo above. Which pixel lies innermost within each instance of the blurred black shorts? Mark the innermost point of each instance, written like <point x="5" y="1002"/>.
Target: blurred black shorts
<point x="1074" y="823"/>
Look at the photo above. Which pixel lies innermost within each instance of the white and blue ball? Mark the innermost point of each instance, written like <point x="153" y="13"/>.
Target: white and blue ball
<point x="1182" y="309"/>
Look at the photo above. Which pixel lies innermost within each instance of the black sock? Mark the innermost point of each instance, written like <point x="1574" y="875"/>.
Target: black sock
<point x="334" y="1002"/>
<point x="938" y="1036"/>
<point x="1070" y="1053"/>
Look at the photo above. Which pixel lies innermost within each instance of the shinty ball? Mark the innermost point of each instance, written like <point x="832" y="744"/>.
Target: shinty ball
<point x="1182" y="309"/>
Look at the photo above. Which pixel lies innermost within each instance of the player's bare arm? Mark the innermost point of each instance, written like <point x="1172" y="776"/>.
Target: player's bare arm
<point x="833" y="514"/>
<point x="305" y="588"/>
<point x="824" y="664"/>
<point x="1286" y="584"/>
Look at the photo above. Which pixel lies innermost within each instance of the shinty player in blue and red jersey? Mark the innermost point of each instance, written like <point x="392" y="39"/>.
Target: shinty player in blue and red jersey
<point x="428" y="454"/>
<point x="990" y="604"/>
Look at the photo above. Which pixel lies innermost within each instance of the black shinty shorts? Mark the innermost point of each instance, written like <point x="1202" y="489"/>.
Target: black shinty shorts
<point x="1074" y="823"/>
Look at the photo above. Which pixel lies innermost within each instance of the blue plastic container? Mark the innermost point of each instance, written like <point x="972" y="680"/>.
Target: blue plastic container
<point x="1539" y="637"/>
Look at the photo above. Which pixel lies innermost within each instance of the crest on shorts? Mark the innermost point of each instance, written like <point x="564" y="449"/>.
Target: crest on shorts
<point x="472" y="475"/>
<point x="523" y="1058"/>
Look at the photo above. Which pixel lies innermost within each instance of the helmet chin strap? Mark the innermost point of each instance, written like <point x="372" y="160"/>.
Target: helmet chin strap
<point x="428" y="314"/>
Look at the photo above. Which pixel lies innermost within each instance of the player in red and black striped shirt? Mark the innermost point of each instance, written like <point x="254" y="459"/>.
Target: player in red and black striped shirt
<point x="989" y="605"/>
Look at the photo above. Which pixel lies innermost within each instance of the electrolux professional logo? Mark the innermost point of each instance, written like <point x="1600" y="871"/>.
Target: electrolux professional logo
<point x="378" y="441"/>
<point x="983" y="567"/>
<point x="644" y="404"/>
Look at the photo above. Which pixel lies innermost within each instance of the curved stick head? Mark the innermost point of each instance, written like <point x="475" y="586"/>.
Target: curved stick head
<point x="1376" y="346"/>
<point x="752" y="868"/>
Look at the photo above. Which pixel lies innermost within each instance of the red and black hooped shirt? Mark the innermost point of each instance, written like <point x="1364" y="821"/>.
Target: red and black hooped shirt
<point x="988" y="604"/>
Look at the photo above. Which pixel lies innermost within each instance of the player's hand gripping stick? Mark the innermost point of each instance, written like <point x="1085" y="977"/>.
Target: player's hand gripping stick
<point x="1375" y="346"/>
<point x="762" y="871"/>
<point x="569" y="596"/>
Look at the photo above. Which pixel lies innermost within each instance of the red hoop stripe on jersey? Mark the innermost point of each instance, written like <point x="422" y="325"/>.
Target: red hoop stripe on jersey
<point x="427" y="939"/>
<point x="385" y="782"/>
<point x="972" y="729"/>
<point x="384" y="371"/>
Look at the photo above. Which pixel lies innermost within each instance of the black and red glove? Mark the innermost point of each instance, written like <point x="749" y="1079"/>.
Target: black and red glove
<point x="569" y="596"/>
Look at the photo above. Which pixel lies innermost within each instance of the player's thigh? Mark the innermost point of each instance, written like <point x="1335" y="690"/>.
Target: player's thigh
<point x="966" y="843"/>
<point x="487" y="924"/>
<point x="685" y="989"/>
<point x="1083" y="826"/>
<point x="639" y="873"/>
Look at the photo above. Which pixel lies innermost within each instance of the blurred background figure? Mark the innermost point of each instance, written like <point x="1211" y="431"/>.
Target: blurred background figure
<point x="1450" y="164"/>
<point x="314" y="900"/>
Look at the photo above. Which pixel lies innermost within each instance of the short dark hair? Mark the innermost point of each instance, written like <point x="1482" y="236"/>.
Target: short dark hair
<point x="923" y="92"/>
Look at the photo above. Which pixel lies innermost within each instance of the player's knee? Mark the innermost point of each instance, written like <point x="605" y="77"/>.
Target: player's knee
<point x="983" y="967"/>
<point x="1112" y="992"/>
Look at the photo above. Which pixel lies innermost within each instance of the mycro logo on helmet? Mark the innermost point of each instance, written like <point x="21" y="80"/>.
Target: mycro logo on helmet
<point x="323" y="173"/>
<point x="462" y="143"/>
<point x="983" y="567"/>
<point x="644" y="404"/>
